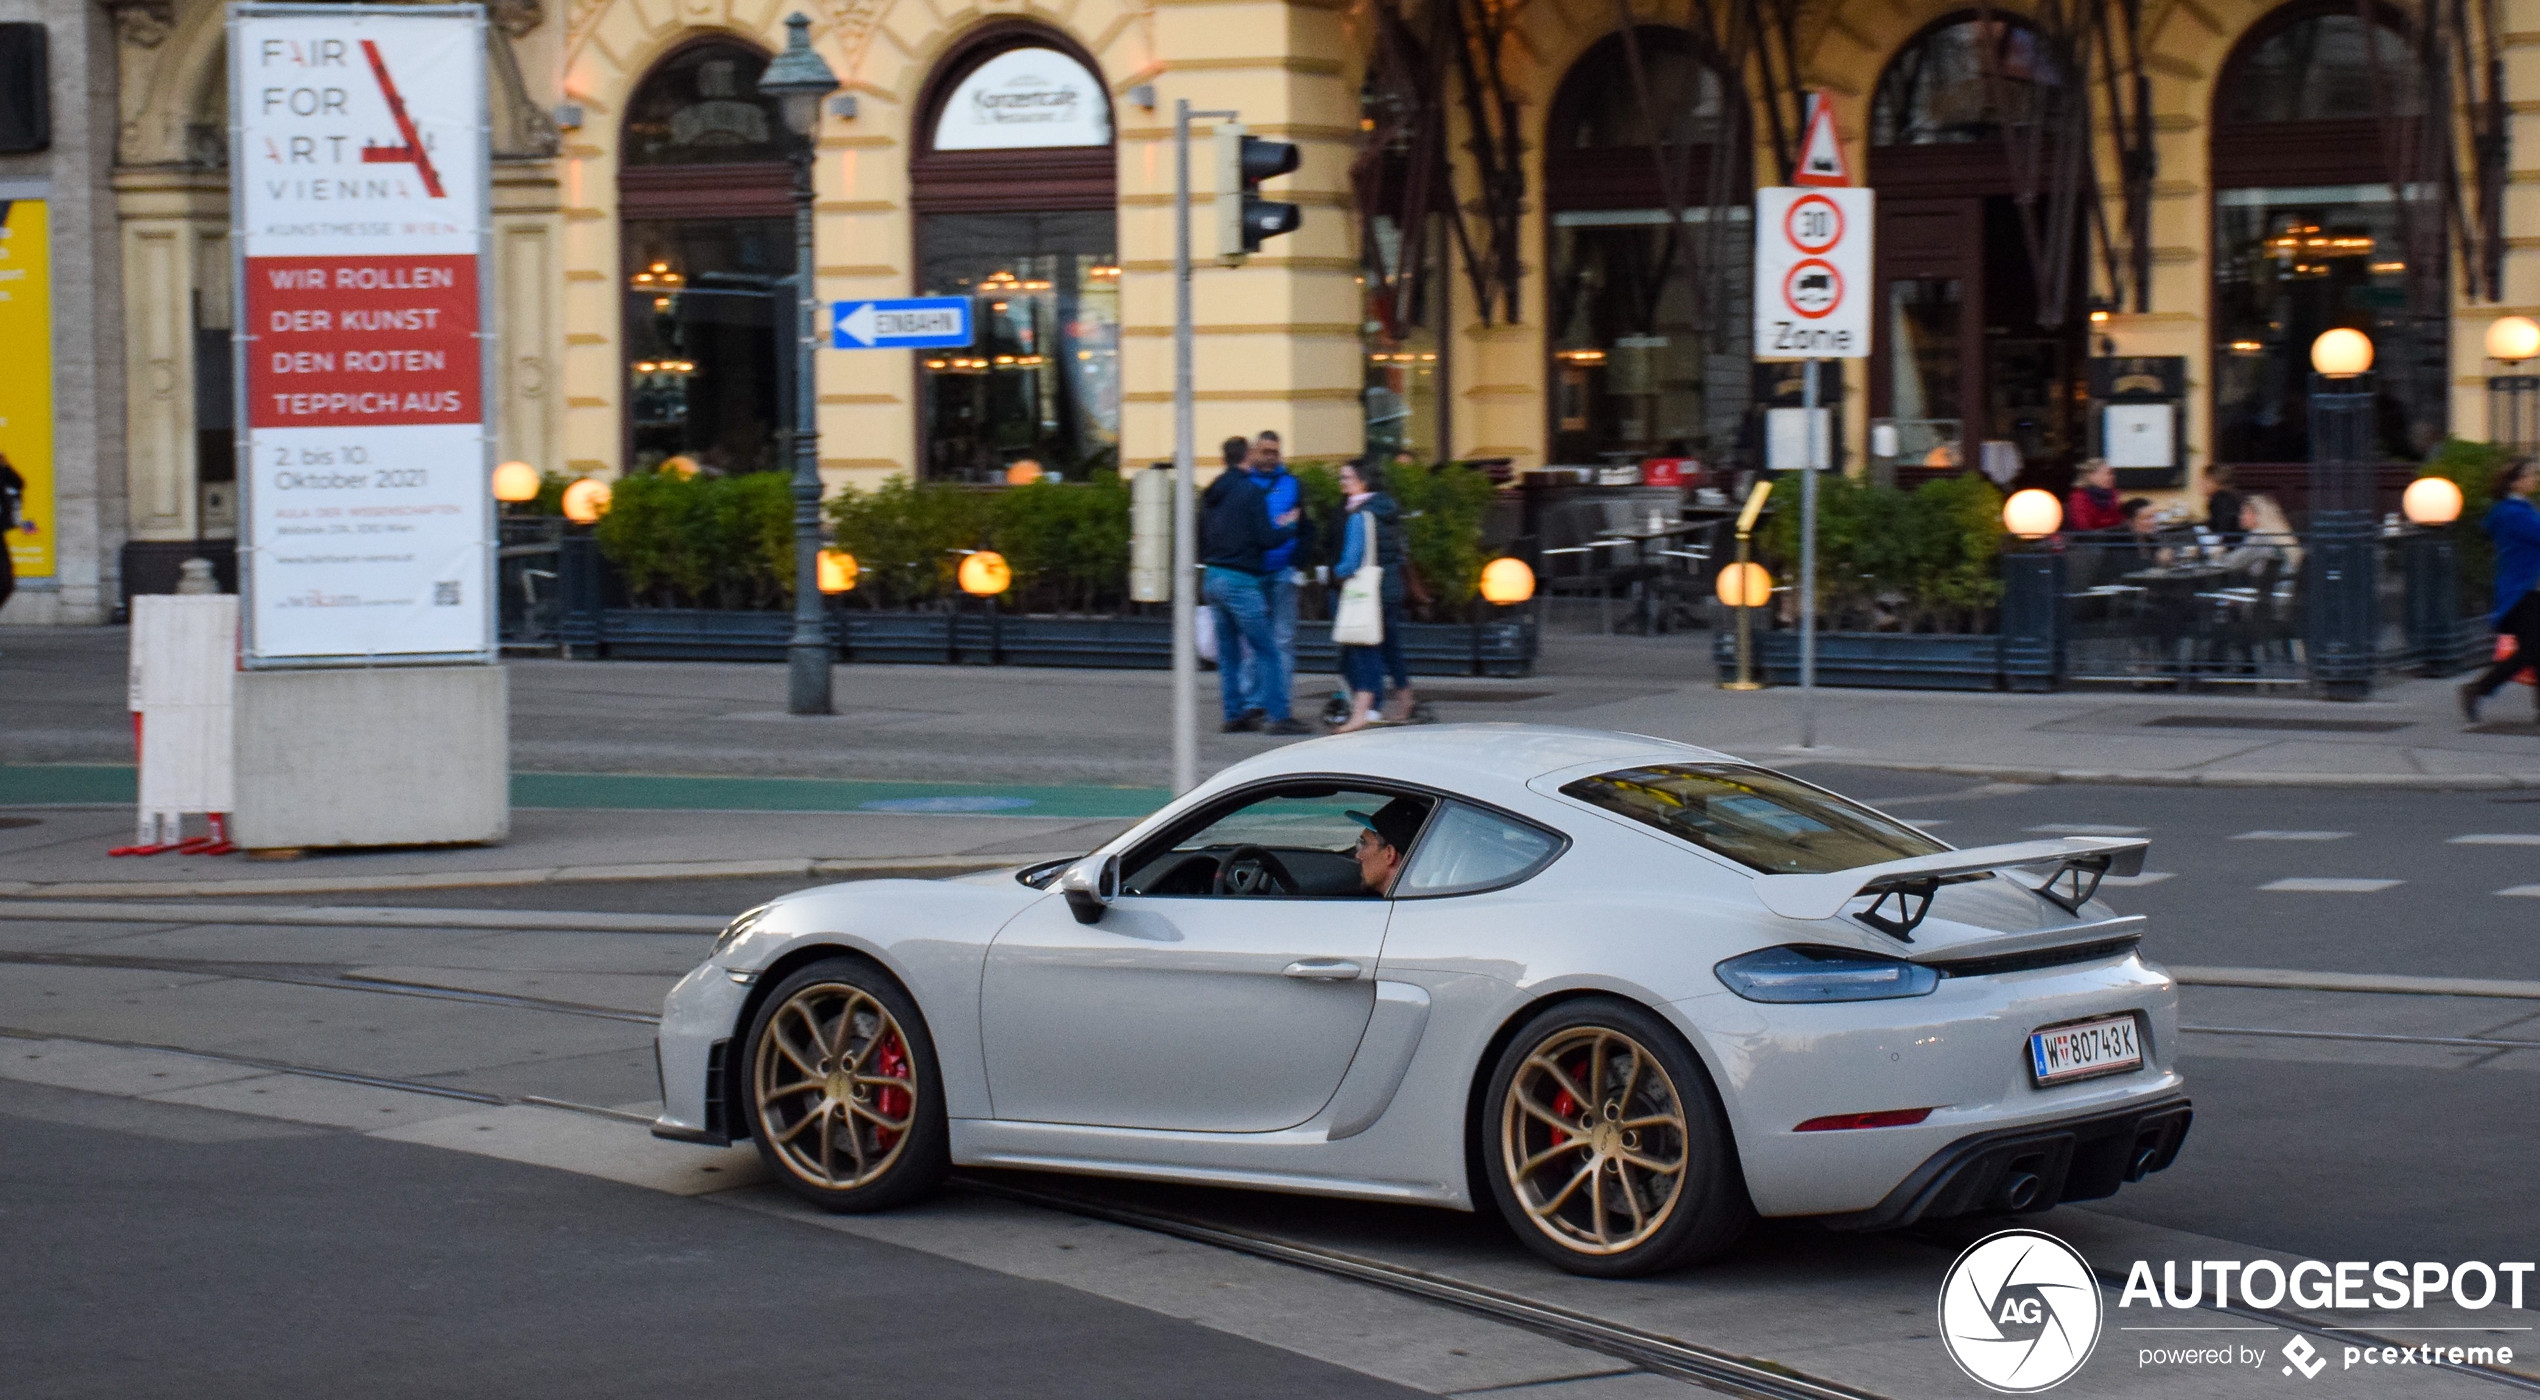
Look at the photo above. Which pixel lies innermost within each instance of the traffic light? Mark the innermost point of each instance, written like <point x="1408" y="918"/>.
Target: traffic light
<point x="1244" y="218"/>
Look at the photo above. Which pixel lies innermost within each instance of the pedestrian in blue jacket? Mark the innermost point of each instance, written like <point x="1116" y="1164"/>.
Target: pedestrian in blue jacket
<point x="2514" y="524"/>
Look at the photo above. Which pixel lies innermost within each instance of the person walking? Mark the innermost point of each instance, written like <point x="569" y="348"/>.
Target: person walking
<point x="12" y="491"/>
<point x="1373" y="531"/>
<point x="2514" y="524"/>
<point x="1284" y="494"/>
<point x="1236" y="535"/>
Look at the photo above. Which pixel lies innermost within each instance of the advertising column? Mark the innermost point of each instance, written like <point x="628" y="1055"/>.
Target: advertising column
<point x="26" y="390"/>
<point x="359" y="174"/>
<point x="359" y="179"/>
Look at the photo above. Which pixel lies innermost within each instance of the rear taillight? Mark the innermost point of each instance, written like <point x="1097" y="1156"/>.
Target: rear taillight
<point x="1885" y="1118"/>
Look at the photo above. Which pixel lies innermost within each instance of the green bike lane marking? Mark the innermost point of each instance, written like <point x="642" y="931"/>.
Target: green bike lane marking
<point x="67" y="784"/>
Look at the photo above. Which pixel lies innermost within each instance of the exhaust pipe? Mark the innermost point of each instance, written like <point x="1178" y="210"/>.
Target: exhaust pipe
<point x="2141" y="1166"/>
<point x="2018" y="1191"/>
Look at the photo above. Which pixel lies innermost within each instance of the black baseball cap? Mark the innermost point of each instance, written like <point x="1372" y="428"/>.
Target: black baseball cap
<point x="1397" y="823"/>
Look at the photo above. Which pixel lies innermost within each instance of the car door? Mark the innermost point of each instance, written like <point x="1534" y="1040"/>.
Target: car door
<point x="1199" y="1001"/>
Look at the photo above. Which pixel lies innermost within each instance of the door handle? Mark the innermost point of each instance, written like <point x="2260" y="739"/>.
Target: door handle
<point x="1323" y="970"/>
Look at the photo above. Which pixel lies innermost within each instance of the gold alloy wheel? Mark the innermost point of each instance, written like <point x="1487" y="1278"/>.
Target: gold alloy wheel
<point x="1592" y="1137"/>
<point x="837" y="1093"/>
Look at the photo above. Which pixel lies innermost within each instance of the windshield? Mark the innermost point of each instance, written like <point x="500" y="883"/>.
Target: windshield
<point x="1753" y="816"/>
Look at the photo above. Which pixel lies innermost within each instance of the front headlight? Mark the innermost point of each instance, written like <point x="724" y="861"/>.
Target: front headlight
<point x="738" y="929"/>
<point x="1793" y="974"/>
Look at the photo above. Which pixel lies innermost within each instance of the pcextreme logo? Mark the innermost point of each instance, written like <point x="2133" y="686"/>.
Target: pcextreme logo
<point x="2020" y="1312"/>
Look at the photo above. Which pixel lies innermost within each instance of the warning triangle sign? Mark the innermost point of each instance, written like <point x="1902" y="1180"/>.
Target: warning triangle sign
<point x="1820" y="154"/>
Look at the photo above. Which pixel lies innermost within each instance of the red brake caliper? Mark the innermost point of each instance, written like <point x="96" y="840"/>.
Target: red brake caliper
<point x="892" y="1060"/>
<point x="1564" y="1105"/>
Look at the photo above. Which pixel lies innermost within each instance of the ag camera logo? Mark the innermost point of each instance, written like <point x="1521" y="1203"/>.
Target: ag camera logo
<point x="2020" y="1312"/>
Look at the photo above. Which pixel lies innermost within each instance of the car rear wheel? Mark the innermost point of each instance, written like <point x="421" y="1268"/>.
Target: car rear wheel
<point x="846" y="1102"/>
<point x="1606" y="1147"/>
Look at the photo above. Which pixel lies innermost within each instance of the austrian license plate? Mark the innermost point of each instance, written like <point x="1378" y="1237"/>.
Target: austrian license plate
<point x="2085" y="1050"/>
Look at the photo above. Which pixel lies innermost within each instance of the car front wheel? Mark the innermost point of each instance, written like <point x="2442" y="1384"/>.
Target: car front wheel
<point x="1606" y="1148"/>
<point x="846" y="1101"/>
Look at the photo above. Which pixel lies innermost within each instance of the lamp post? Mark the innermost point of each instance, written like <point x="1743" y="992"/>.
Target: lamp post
<point x="2432" y="504"/>
<point x="2344" y="534"/>
<point x="2032" y="593"/>
<point x="2513" y="398"/>
<point x="799" y="79"/>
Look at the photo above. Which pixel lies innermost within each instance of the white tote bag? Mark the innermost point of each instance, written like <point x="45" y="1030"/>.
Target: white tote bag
<point x="1359" y="621"/>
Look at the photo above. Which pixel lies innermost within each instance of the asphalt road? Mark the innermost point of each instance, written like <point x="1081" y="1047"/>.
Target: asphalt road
<point x="264" y="1234"/>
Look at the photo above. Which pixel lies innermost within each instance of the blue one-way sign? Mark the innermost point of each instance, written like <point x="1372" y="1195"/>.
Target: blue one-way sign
<point x="911" y="323"/>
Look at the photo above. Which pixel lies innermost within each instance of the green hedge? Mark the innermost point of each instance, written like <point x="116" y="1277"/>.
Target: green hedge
<point x="1067" y="542"/>
<point x="1926" y="560"/>
<point x="703" y="541"/>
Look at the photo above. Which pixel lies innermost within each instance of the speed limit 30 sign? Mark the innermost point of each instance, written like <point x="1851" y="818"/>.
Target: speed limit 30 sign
<point x="1812" y="273"/>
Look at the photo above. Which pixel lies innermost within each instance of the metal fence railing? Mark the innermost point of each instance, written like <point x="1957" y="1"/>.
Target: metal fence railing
<point x="529" y="573"/>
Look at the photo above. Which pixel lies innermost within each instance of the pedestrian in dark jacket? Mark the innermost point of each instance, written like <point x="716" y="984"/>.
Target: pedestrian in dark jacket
<point x="1279" y="582"/>
<point x="1236" y="537"/>
<point x="12" y="491"/>
<point x="2514" y="524"/>
<point x="1365" y="669"/>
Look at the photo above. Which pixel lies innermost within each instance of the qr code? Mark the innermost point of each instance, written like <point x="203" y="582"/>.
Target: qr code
<point x="446" y="595"/>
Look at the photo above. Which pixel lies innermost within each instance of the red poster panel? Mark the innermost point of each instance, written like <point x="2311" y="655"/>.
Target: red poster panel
<point x="362" y="341"/>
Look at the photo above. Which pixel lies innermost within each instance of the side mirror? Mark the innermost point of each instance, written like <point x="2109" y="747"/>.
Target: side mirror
<point x="1089" y="885"/>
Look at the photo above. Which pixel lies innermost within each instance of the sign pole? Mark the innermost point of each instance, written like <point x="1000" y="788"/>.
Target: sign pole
<point x="1185" y="490"/>
<point x="1808" y="561"/>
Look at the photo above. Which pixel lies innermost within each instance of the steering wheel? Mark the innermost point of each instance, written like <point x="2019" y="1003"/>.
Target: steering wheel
<point x="1251" y="870"/>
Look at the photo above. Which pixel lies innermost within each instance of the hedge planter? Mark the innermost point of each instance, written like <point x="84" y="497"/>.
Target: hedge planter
<point x="1895" y="660"/>
<point x="975" y="637"/>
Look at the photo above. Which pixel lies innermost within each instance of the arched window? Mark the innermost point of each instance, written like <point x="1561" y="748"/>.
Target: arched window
<point x="1647" y="309"/>
<point x="1963" y="80"/>
<point x="705" y="203"/>
<point x="2314" y="228"/>
<point x="1013" y="181"/>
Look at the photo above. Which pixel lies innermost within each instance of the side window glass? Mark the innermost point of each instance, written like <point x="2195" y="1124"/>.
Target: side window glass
<point x="1293" y="843"/>
<point x="1468" y="849"/>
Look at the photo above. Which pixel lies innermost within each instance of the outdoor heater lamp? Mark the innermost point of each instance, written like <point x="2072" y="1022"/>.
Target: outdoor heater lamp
<point x="2431" y="500"/>
<point x="2032" y="514"/>
<point x="2513" y="339"/>
<point x="515" y="482"/>
<point x="2341" y="353"/>
<point x="1507" y="582"/>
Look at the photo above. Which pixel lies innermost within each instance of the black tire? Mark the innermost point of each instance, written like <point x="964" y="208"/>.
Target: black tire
<point x="792" y="1074"/>
<point x="1666" y="1110"/>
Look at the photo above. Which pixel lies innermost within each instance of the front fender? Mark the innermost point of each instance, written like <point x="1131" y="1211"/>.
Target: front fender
<point x="931" y="935"/>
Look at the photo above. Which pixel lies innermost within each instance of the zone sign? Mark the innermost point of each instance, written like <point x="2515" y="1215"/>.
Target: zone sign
<point x="1812" y="273"/>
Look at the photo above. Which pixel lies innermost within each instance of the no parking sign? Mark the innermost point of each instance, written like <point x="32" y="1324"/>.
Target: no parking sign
<point x="1812" y="273"/>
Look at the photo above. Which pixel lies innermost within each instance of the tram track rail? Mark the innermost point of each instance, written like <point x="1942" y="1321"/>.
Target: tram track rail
<point x="325" y="978"/>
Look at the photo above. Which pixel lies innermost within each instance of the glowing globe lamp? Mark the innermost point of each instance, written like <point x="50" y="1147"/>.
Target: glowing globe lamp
<point x="2513" y="339"/>
<point x="515" y="482"/>
<point x="837" y="571"/>
<point x="2032" y="514"/>
<point x="1506" y="581"/>
<point x="585" y="501"/>
<point x="682" y="467"/>
<point x="2432" y="500"/>
<point x="1022" y="473"/>
<point x="2341" y="353"/>
<point x="1745" y="585"/>
<point x="985" y="575"/>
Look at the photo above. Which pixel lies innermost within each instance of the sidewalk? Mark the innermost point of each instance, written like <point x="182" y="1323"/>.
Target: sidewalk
<point x="633" y="770"/>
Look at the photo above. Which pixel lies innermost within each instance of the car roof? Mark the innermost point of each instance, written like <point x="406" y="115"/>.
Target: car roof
<point x="1491" y="762"/>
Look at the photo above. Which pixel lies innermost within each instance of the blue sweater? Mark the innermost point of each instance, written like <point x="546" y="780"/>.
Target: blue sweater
<point x="2514" y="524"/>
<point x="1283" y="491"/>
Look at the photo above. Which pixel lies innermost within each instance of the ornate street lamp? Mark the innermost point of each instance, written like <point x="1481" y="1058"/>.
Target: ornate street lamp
<point x="799" y="80"/>
<point x="2513" y="398"/>
<point x="2345" y="536"/>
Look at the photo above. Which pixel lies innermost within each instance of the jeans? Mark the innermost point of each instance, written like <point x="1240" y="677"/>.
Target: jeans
<point x="1367" y="668"/>
<point x="1243" y="632"/>
<point x="1273" y="675"/>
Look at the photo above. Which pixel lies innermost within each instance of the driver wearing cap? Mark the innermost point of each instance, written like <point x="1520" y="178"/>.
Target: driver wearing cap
<point x="1386" y="840"/>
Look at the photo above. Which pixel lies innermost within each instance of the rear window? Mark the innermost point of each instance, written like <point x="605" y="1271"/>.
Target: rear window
<point x="1755" y="817"/>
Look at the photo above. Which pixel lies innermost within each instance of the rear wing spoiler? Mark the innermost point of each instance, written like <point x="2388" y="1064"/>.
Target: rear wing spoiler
<point x="2079" y="861"/>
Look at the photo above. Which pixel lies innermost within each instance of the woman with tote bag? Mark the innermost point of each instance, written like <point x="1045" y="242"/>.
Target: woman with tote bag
<point x="1369" y="620"/>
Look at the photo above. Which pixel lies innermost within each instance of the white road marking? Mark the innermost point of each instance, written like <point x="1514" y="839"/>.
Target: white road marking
<point x="2520" y="892"/>
<point x="2085" y="829"/>
<point x="2148" y="877"/>
<point x="2293" y="836"/>
<point x="2328" y="884"/>
<point x="2499" y="838"/>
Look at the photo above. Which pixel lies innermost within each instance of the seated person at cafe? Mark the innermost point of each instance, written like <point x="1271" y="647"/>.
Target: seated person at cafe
<point x="2093" y="504"/>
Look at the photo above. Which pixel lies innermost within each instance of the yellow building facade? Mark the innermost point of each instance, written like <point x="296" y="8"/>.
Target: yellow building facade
<point x="617" y="124"/>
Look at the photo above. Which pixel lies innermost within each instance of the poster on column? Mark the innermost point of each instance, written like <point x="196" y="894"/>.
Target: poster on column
<point x="359" y="179"/>
<point x="26" y="391"/>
